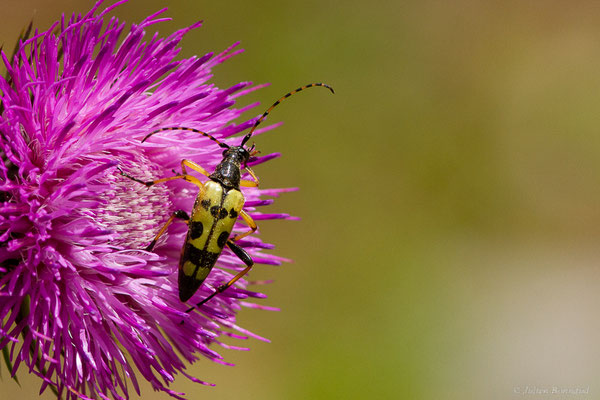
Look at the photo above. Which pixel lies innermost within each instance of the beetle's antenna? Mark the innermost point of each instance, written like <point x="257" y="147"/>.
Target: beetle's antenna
<point x="247" y="137"/>
<point x="183" y="128"/>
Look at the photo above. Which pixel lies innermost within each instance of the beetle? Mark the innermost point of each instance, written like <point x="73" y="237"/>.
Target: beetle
<point x="218" y="205"/>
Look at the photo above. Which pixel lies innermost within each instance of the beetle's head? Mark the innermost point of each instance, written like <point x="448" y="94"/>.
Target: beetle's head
<point x="238" y="153"/>
<point x="241" y="154"/>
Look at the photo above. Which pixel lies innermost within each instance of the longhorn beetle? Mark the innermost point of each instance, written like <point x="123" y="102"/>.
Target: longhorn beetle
<point x="216" y="209"/>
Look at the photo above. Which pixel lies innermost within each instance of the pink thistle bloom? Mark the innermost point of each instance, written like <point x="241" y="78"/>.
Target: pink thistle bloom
<point x="82" y="305"/>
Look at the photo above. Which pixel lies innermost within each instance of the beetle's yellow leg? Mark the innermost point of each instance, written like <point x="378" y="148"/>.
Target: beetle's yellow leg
<point x="248" y="220"/>
<point x="245" y="257"/>
<point x="248" y="183"/>
<point x="186" y="177"/>
<point x="193" y="166"/>
<point x="177" y="214"/>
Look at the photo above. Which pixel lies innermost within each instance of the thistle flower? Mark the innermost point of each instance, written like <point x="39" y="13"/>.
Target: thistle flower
<point x="81" y="304"/>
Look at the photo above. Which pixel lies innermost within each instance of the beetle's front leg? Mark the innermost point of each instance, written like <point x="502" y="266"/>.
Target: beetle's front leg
<point x="193" y="166"/>
<point x="248" y="183"/>
<point x="186" y="177"/>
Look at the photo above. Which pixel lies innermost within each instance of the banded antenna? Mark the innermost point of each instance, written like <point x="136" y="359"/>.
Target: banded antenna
<point x="247" y="137"/>
<point x="183" y="128"/>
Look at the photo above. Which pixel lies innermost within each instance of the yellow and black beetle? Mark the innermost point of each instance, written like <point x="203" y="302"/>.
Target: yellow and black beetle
<point x="217" y="207"/>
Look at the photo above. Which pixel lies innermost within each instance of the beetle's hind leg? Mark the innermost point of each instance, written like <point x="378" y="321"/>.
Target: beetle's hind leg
<point x="245" y="257"/>
<point x="177" y="214"/>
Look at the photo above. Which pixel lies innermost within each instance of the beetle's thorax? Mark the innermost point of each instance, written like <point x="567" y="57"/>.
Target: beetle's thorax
<point x="228" y="172"/>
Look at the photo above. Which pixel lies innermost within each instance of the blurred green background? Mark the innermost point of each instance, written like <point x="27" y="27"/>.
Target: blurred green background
<point x="449" y="195"/>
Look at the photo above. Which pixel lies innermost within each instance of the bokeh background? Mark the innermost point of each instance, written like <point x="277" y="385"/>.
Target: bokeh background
<point x="450" y="197"/>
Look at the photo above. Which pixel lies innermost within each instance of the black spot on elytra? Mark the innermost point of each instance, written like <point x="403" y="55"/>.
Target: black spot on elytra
<point x="233" y="213"/>
<point x="200" y="258"/>
<point x="196" y="229"/>
<point x="203" y="261"/>
<point x="218" y="212"/>
<point x="223" y="239"/>
<point x="193" y="254"/>
<point x="205" y="204"/>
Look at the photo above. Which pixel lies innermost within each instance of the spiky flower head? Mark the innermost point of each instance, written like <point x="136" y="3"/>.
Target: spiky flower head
<point x="81" y="304"/>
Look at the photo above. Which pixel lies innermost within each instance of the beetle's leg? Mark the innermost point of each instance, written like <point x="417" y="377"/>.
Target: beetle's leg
<point x="245" y="257"/>
<point x="186" y="177"/>
<point x="248" y="183"/>
<point x="248" y="220"/>
<point x="193" y="166"/>
<point x="177" y="214"/>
